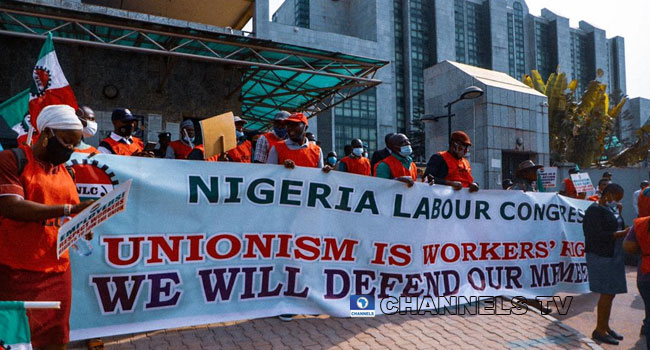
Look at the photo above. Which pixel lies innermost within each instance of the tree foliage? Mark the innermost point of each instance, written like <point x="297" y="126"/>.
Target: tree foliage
<point x="578" y="125"/>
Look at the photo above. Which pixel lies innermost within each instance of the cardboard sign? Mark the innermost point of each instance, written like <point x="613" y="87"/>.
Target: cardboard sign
<point x="582" y="182"/>
<point x="91" y="217"/>
<point x="549" y="176"/>
<point x="218" y="134"/>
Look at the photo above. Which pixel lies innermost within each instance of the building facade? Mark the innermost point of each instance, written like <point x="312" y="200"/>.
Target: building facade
<point x="413" y="35"/>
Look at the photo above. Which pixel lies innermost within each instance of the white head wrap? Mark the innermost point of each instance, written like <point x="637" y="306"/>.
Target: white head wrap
<point x="60" y="117"/>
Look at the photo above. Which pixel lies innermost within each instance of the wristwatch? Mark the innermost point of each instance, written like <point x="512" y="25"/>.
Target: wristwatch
<point x="67" y="209"/>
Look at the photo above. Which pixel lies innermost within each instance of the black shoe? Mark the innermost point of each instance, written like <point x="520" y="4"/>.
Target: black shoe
<point x="615" y="335"/>
<point x="605" y="338"/>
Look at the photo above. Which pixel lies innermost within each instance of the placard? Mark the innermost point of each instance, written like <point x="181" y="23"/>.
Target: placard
<point x="549" y="176"/>
<point x="218" y="134"/>
<point x="582" y="183"/>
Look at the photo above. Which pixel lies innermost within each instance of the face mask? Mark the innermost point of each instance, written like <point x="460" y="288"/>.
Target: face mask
<point x="239" y="134"/>
<point x="357" y="151"/>
<point x="56" y="152"/>
<point x="281" y="133"/>
<point x="188" y="139"/>
<point x="126" y="130"/>
<point x="331" y="160"/>
<point x="406" y="150"/>
<point x="90" y="129"/>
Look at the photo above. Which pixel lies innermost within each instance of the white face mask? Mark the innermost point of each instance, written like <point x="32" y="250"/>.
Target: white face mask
<point x="90" y="129"/>
<point x="357" y="151"/>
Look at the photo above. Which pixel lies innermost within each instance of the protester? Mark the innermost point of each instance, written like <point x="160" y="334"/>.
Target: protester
<point x="182" y="147"/>
<point x="451" y="168"/>
<point x="161" y="151"/>
<point x="378" y="156"/>
<point x="36" y="190"/>
<point x="270" y="139"/>
<point x="355" y="163"/>
<point x="332" y="159"/>
<point x="87" y="117"/>
<point x="604" y="232"/>
<point x="120" y="141"/>
<point x="244" y="150"/>
<point x="296" y="150"/>
<point x="311" y="137"/>
<point x="526" y="176"/>
<point x="567" y="188"/>
<point x="506" y="184"/>
<point x="637" y="194"/>
<point x="602" y="183"/>
<point x="637" y="241"/>
<point x="398" y="165"/>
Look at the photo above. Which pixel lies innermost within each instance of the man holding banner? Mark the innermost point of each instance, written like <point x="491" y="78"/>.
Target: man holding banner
<point x="36" y="192"/>
<point x="296" y="150"/>
<point x="398" y="165"/>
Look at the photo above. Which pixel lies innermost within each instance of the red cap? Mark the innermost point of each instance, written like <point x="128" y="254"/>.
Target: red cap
<point x="298" y="118"/>
<point x="461" y="137"/>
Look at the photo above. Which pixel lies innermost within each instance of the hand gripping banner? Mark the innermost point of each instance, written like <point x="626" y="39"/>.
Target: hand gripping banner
<point x="204" y="242"/>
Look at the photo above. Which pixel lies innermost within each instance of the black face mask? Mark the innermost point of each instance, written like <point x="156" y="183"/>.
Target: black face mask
<point x="126" y="130"/>
<point x="57" y="153"/>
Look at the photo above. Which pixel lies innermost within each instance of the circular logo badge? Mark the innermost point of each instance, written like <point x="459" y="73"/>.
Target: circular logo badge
<point x="42" y="79"/>
<point x="93" y="179"/>
<point x="362" y="303"/>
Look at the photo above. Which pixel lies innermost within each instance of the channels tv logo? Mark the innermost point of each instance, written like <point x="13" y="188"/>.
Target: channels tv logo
<point x="362" y="306"/>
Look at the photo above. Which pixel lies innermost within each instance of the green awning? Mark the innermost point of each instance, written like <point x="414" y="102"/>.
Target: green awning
<point x="277" y="75"/>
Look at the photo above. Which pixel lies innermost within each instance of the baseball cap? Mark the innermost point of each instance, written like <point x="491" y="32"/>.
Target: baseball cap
<point x="122" y="114"/>
<point x="240" y="120"/>
<point x="281" y="115"/>
<point x="298" y="118"/>
<point x="461" y="137"/>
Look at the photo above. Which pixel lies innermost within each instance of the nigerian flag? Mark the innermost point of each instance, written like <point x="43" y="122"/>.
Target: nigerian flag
<point x="14" y="327"/>
<point x="13" y="111"/>
<point x="49" y="85"/>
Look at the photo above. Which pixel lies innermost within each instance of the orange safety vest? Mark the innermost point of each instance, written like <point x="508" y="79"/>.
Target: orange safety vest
<point x="181" y="150"/>
<point x="397" y="169"/>
<point x="594" y="198"/>
<point x="214" y="158"/>
<point x="306" y="156"/>
<point x="272" y="139"/>
<point x="359" y="165"/>
<point x="644" y="203"/>
<point x="641" y="226"/>
<point x="88" y="150"/>
<point x="457" y="169"/>
<point x="569" y="189"/>
<point x="242" y="153"/>
<point x="32" y="245"/>
<point x="123" y="149"/>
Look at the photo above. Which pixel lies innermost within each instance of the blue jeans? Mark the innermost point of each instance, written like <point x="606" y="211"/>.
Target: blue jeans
<point x="644" y="290"/>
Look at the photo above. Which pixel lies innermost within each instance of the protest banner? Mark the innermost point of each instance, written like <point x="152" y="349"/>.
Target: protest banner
<point x="582" y="183"/>
<point x="218" y="134"/>
<point x="205" y="242"/>
<point x="89" y="218"/>
<point x="548" y="176"/>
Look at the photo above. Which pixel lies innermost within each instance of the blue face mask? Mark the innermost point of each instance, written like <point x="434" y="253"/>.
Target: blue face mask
<point x="331" y="160"/>
<point x="281" y="133"/>
<point x="406" y="150"/>
<point x="357" y="151"/>
<point x="239" y="134"/>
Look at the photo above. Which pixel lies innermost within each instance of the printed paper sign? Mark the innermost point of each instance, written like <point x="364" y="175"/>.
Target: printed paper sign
<point x="100" y="211"/>
<point x="582" y="183"/>
<point x="548" y="176"/>
<point x="218" y="134"/>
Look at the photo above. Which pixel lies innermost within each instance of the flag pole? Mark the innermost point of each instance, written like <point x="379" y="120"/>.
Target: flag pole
<point x="42" y="304"/>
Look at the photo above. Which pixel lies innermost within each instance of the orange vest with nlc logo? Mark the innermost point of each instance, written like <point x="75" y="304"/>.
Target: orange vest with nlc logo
<point x="305" y="156"/>
<point x="397" y="169"/>
<point x="242" y="153"/>
<point x="32" y="245"/>
<point x="359" y="165"/>
<point x="181" y="150"/>
<point x="457" y="169"/>
<point x="643" y="239"/>
<point x="123" y="149"/>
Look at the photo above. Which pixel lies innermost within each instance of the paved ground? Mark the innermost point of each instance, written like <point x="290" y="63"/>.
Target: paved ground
<point x="383" y="332"/>
<point x="627" y="315"/>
